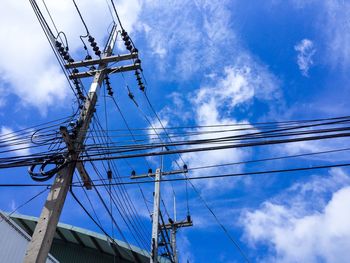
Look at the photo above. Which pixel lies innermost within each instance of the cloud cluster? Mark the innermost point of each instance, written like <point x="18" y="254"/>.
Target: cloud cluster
<point x="306" y="51"/>
<point x="186" y="36"/>
<point x="215" y="103"/>
<point x="307" y="223"/>
<point x="333" y="27"/>
<point x="28" y="66"/>
<point x="8" y="136"/>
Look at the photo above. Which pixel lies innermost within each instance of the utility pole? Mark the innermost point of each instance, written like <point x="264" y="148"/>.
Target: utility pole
<point x="156" y="227"/>
<point x="155" y="218"/>
<point x="173" y="243"/>
<point x="44" y="232"/>
<point x="173" y="227"/>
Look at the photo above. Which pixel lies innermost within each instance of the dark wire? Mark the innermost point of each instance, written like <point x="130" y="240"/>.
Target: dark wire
<point x="239" y="174"/>
<point x="82" y="19"/>
<point x="116" y="13"/>
<point x="127" y="198"/>
<point x="25" y="203"/>
<point x="124" y="191"/>
<point x="50" y="37"/>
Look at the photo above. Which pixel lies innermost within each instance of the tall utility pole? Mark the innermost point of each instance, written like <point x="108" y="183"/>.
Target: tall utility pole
<point x="155" y="218"/>
<point x="173" y="227"/>
<point x="156" y="226"/>
<point x="44" y="232"/>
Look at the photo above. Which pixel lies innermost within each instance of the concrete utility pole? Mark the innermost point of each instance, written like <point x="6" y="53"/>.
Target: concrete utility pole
<point x="173" y="227"/>
<point x="156" y="227"/>
<point x="43" y="235"/>
<point x="173" y="244"/>
<point x="155" y="218"/>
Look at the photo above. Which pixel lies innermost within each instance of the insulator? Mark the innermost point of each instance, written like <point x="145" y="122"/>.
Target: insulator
<point x="75" y="71"/>
<point x="142" y="88"/>
<point x="129" y="47"/>
<point x="137" y="73"/>
<point x="127" y="43"/>
<point x="98" y="53"/>
<point x="108" y="82"/>
<point x="79" y="123"/>
<point x="70" y="60"/>
<point x="150" y="170"/>
<point x="66" y="57"/>
<point x="60" y="49"/>
<point x="93" y="44"/>
<point x="133" y="173"/>
<point x="76" y="82"/>
<point x="188" y="218"/>
<point x="125" y="38"/>
<point x="64" y="53"/>
<point x="185" y="167"/>
<point x="91" y="39"/>
<point x="110" y="93"/>
<point x="171" y="221"/>
<point x="124" y="33"/>
<point x="82" y="97"/>
<point x="138" y="78"/>
<point x="139" y="83"/>
<point x="161" y="244"/>
<point x="109" y="175"/>
<point x="137" y="61"/>
<point x="135" y="50"/>
<point x="96" y="49"/>
<point x="88" y="57"/>
<point x="58" y="44"/>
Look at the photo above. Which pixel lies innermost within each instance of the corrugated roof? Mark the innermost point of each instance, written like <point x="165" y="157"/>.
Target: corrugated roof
<point x="91" y="244"/>
<point x="14" y="241"/>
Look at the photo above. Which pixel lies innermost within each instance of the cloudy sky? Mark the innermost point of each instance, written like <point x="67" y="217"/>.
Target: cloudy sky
<point x="206" y="63"/>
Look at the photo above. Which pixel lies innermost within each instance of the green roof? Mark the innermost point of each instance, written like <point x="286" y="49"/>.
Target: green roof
<point x="75" y="244"/>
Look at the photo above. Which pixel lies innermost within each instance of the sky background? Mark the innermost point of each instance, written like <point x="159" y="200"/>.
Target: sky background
<point x="206" y="63"/>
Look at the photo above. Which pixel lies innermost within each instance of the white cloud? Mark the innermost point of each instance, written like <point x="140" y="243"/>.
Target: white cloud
<point x="337" y="31"/>
<point x="306" y="50"/>
<point x="214" y="104"/>
<point x="333" y="26"/>
<point x="304" y="224"/>
<point x="187" y="36"/>
<point x="8" y="137"/>
<point x="28" y="66"/>
<point x="318" y="146"/>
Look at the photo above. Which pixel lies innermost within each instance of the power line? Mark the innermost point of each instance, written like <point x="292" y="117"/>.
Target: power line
<point x="239" y="174"/>
<point x="26" y="202"/>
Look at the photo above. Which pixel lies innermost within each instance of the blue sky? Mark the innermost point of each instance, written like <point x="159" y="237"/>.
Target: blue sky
<point x="206" y="63"/>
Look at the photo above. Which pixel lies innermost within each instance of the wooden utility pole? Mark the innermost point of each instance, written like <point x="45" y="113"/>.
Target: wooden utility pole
<point x="44" y="232"/>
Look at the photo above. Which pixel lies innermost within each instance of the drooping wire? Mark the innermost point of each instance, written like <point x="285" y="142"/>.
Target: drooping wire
<point x="82" y="19"/>
<point x="25" y="203"/>
<point x="134" y="225"/>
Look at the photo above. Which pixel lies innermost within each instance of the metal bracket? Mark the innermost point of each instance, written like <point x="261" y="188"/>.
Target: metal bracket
<point x="107" y="71"/>
<point x="79" y="166"/>
<point x="86" y="63"/>
<point x="163" y="173"/>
